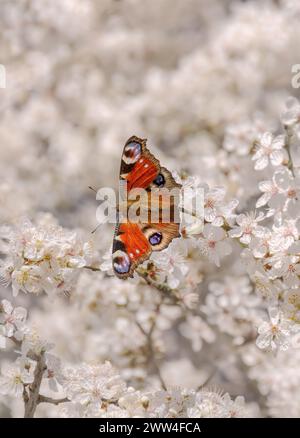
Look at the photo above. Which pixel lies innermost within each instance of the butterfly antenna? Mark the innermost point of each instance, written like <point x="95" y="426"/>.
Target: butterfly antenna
<point x="94" y="231"/>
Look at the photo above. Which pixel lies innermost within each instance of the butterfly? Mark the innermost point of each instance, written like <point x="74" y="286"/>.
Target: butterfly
<point x="134" y="241"/>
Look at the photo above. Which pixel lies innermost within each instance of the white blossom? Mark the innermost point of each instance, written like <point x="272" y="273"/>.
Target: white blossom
<point x="269" y="150"/>
<point x="172" y="263"/>
<point x="12" y="319"/>
<point x="232" y="306"/>
<point x="213" y="243"/>
<point x="211" y="405"/>
<point x="247" y="227"/>
<point x="89" y="383"/>
<point x="275" y="333"/>
<point x="291" y="115"/>
<point x="217" y="210"/>
<point x="13" y="378"/>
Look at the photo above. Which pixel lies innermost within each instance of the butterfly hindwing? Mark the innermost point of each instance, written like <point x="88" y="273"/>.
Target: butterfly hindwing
<point x="130" y="248"/>
<point x="160" y="235"/>
<point x="134" y="242"/>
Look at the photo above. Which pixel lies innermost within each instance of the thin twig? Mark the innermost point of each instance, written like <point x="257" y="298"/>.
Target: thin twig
<point x="162" y="287"/>
<point x="53" y="401"/>
<point x="170" y="293"/>
<point x="151" y="353"/>
<point x="288" y="137"/>
<point x="93" y="268"/>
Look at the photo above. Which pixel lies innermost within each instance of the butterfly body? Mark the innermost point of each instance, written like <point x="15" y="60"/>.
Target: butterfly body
<point x="135" y="239"/>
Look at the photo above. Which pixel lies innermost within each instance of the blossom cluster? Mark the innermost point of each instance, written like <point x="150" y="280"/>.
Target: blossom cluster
<point x="42" y="257"/>
<point x="17" y="377"/>
<point x="98" y="391"/>
<point x="208" y="327"/>
<point x="93" y="390"/>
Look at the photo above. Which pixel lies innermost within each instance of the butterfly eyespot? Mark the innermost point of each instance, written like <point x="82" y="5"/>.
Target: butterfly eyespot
<point x="155" y="238"/>
<point x="146" y="165"/>
<point x="121" y="262"/>
<point x="137" y="251"/>
<point x="132" y="152"/>
<point x="159" y="180"/>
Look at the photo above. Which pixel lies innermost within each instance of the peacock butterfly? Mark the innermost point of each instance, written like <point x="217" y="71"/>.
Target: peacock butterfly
<point x="134" y="241"/>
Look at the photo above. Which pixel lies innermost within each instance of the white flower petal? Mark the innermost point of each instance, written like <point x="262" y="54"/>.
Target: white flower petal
<point x="261" y="163"/>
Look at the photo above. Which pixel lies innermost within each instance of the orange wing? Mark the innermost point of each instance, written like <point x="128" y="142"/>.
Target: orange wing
<point x="130" y="248"/>
<point x="138" y="166"/>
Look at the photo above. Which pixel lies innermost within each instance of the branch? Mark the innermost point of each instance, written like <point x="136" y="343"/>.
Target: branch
<point x="167" y="292"/>
<point x="53" y="401"/>
<point x="150" y="348"/>
<point x="170" y="293"/>
<point x="31" y="399"/>
<point x="31" y="395"/>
